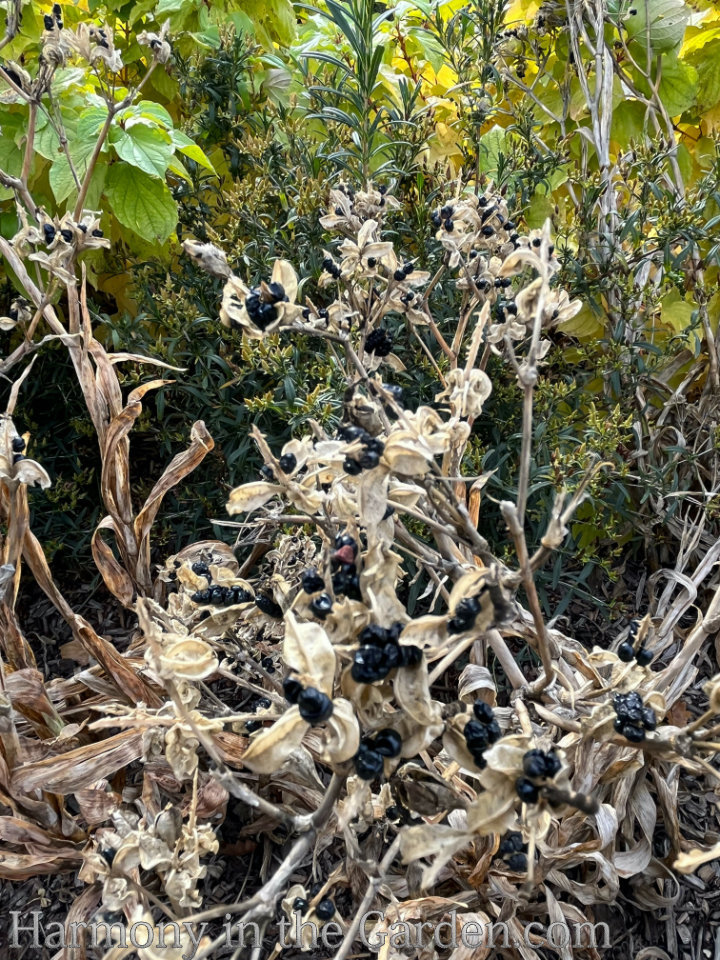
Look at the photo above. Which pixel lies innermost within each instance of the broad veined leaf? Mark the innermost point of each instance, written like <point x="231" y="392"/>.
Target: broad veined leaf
<point x="183" y="144"/>
<point x="663" y="21"/>
<point x="141" y="202"/>
<point x="147" y="148"/>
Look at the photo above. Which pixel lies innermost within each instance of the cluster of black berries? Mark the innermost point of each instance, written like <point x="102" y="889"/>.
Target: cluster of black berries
<point x="329" y="264"/>
<point x="537" y="765"/>
<point x="443" y="218"/>
<point x="403" y="272"/>
<point x="215" y="594"/>
<point x="379" y="342"/>
<point x="627" y="651"/>
<point x="268" y="606"/>
<point x="50" y="20"/>
<point x="512" y="850"/>
<point x="504" y="306"/>
<point x="18" y="445"/>
<point x="481" y="732"/>
<point x="372" y="450"/>
<point x="465" y="614"/>
<point x="633" y="717"/>
<point x="370" y="757"/>
<point x="315" y="706"/>
<point x="380" y="652"/>
<point x="312" y="582"/>
<point x="324" y="910"/>
<point x="49" y="233"/>
<point x="262" y="312"/>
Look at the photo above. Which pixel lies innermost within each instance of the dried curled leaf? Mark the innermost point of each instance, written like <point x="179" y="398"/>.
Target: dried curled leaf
<point x="251" y="496"/>
<point x="271" y="748"/>
<point x="307" y="650"/>
<point x="341" y="734"/>
<point x="187" y="658"/>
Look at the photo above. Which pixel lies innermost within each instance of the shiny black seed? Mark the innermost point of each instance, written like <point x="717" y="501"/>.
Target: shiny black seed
<point x="619" y="724"/>
<point x="534" y="764"/>
<point x="634" y="627"/>
<point x="509" y="226"/>
<point x="315" y="706"/>
<point x="483" y="201"/>
<point x="267" y="472"/>
<point x="394" y="631"/>
<point x="251" y="725"/>
<point x="67" y="235"/>
<point x="368" y="763"/>
<point x="49" y="232"/>
<point x="512" y="842"/>
<point x="217" y="596"/>
<point x="517" y="862"/>
<point x="649" y="720"/>
<point x="379" y="342"/>
<point x="536" y="242"/>
<point x="410" y="656"/>
<point x="351" y="467"/>
<point x="268" y="606"/>
<point x="263" y="703"/>
<point x="644" y="656"/>
<point x="447" y="211"/>
<point x="626" y="652"/>
<point x="398" y="275"/>
<point x="241" y="596"/>
<point x="373" y="635"/>
<point x="487" y="230"/>
<point x="97" y="233"/>
<point x="476" y="736"/>
<point x="483" y="711"/>
<point x="369" y="665"/>
<point x="369" y="460"/>
<point x="493" y="731"/>
<point x="321" y="605"/>
<point x="18" y="444"/>
<point x="287" y="462"/>
<point x="300" y="905"/>
<point x="201" y="568"/>
<point x="292" y="689"/>
<point x="325" y="909"/>
<point x="372" y="262"/>
<point x="312" y="581"/>
<point x="48" y="21"/>
<point x="268" y="664"/>
<point x="526" y="790"/>
<point x="392" y="656"/>
<point x="108" y="855"/>
<point x="449" y="225"/>
<point x="388" y="742"/>
<point x="349" y="432"/>
<point x="633" y="733"/>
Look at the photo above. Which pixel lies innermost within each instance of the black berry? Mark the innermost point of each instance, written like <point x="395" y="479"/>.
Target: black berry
<point x="325" y="909"/>
<point x="312" y="581"/>
<point x="315" y="706"/>
<point x="321" y="605"/>
<point x="388" y="742"/>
